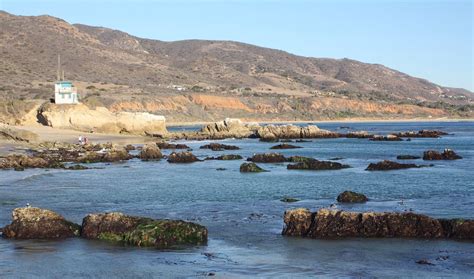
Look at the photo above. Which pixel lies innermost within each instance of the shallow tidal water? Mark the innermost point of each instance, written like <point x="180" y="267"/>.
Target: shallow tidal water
<point x="243" y="212"/>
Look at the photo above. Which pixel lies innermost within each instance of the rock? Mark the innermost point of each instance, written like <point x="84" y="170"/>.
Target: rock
<point x="424" y="261"/>
<point x="316" y="165"/>
<point x="100" y="119"/>
<point x="271" y="132"/>
<point x="351" y="197"/>
<point x="359" y="135"/>
<point x="14" y="134"/>
<point x="389" y="165"/>
<point x="458" y="228"/>
<point x="150" y="152"/>
<point x="139" y="231"/>
<point x="37" y="223"/>
<point x="219" y="147"/>
<point x="229" y="128"/>
<point x="250" y="167"/>
<point x="77" y="167"/>
<point x="422" y="134"/>
<point x="285" y="146"/>
<point x="297" y="222"/>
<point x="268" y="158"/>
<point x="116" y="154"/>
<point x="327" y="223"/>
<point x="182" y="157"/>
<point x="385" y="138"/>
<point x="130" y="147"/>
<point x="289" y="200"/>
<point x="447" y="154"/>
<point x="298" y="159"/>
<point x="221" y="169"/>
<point x="407" y="157"/>
<point x="165" y="145"/>
<point x="21" y="162"/>
<point x="226" y="157"/>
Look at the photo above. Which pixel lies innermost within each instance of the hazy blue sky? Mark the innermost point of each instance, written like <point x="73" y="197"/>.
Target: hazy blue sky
<point x="428" y="39"/>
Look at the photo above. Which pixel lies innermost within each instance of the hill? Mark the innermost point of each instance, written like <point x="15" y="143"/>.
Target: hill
<point x="196" y="80"/>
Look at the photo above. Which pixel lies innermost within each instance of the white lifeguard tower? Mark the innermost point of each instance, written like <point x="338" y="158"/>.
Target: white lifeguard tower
<point x="64" y="91"/>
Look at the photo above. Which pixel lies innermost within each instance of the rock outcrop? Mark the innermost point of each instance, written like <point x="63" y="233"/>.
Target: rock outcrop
<point x="229" y="128"/>
<point x="351" y="197"/>
<point x="447" y="154"/>
<point x="14" y="134"/>
<point x="166" y="145"/>
<point x="316" y="165"/>
<point x="326" y="223"/>
<point x="139" y="231"/>
<point x="219" y="147"/>
<point x="37" y="223"/>
<point x="116" y="154"/>
<point x="150" y="152"/>
<point x="422" y="134"/>
<point x="226" y="157"/>
<point x="389" y="165"/>
<point x="385" y="138"/>
<point x="274" y="132"/>
<point x="100" y="119"/>
<point x="250" y="167"/>
<point x="268" y="158"/>
<point x="182" y="157"/>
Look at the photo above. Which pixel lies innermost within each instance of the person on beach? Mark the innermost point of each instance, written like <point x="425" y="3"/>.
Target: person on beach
<point x="81" y="140"/>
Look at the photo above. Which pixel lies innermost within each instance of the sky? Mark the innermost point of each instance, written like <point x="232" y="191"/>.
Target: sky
<point x="431" y="39"/>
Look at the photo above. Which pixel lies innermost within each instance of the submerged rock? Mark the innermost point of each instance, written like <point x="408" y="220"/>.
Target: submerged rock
<point x="139" y="231"/>
<point x="389" y="165"/>
<point x="285" y="146"/>
<point x="150" y="152"/>
<point x="289" y="200"/>
<point x="316" y="165"/>
<point x="250" y="167"/>
<point x="219" y="147"/>
<point x="165" y="145"/>
<point x="326" y="223"/>
<point x="182" y="157"/>
<point x="351" y="197"/>
<point x="226" y="157"/>
<point x="448" y="154"/>
<point x="37" y="223"/>
<point x="268" y="158"/>
<point x="407" y="157"/>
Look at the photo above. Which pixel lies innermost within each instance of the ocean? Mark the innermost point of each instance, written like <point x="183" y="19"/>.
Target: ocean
<point x="244" y="214"/>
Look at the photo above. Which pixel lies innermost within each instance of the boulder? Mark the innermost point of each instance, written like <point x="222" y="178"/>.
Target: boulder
<point x="37" y="223"/>
<point x="448" y="154"/>
<point x="139" y="231"/>
<point x="268" y="158"/>
<point x="165" y="145"/>
<point x="407" y="157"/>
<point x="150" y="152"/>
<point x="351" y="197"/>
<point x="326" y="223"/>
<point x="316" y="165"/>
<point x="285" y="146"/>
<point x="182" y="157"/>
<point x="389" y="165"/>
<point x="226" y="157"/>
<point x="219" y="147"/>
<point x="250" y="167"/>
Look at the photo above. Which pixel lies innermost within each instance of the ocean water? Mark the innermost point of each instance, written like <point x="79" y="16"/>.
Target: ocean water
<point x="243" y="212"/>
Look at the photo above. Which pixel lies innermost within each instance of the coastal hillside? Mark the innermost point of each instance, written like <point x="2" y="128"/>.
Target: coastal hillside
<point x="198" y="80"/>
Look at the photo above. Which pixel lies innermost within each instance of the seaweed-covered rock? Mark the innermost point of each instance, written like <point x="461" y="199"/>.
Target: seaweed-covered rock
<point x="219" y="147"/>
<point x="389" y="165"/>
<point x="285" y="146"/>
<point x="21" y="162"/>
<point x="139" y="231"/>
<point x="351" y="197"/>
<point x="37" y="223"/>
<point x="316" y="165"/>
<point x="407" y="157"/>
<point x="268" y="158"/>
<point x="226" y="157"/>
<point x="150" y="152"/>
<point x="326" y="223"/>
<point x="422" y="134"/>
<point x="250" y="167"/>
<point x="182" y="157"/>
<point x="448" y="154"/>
<point x="385" y="138"/>
<point x="166" y="145"/>
<point x="115" y="154"/>
<point x="298" y="159"/>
